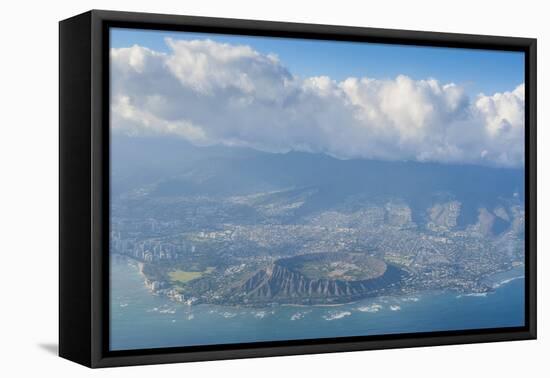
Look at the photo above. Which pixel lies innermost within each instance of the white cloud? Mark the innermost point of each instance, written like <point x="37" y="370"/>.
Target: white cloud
<point x="135" y="121"/>
<point x="213" y="93"/>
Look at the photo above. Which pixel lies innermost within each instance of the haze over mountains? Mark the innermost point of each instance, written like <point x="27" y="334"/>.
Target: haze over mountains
<point x="170" y="167"/>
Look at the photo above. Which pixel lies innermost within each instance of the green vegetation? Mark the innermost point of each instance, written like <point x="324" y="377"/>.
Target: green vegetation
<point x="346" y="266"/>
<point x="181" y="276"/>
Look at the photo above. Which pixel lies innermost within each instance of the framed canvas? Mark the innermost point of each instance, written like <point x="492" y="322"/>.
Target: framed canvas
<point x="235" y="188"/>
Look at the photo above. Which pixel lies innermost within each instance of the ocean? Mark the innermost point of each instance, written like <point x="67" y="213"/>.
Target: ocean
<point x="141" y="320"/>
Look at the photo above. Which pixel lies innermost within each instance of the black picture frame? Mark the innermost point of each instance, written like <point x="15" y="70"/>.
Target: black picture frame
<point x="84" y="187"/>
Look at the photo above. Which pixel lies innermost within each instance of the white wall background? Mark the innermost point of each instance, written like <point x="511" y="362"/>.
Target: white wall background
<point x="29" y="187"/>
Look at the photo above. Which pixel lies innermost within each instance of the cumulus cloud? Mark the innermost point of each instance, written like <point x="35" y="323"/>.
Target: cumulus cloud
<point x="214" y="93"/>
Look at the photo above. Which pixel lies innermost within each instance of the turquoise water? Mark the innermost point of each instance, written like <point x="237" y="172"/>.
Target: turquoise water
<point x="142" y="320"/>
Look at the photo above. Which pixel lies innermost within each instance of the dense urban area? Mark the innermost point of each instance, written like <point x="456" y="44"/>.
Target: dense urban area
<point x="257" y="249"/>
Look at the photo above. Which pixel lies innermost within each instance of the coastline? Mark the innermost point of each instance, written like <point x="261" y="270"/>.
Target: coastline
<point x="141" y="319"/>
<point x="493" y="280"/>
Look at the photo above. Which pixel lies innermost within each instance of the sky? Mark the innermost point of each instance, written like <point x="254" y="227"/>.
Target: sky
<point x="348" y="100"/>
<point x="479" y="71"/>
